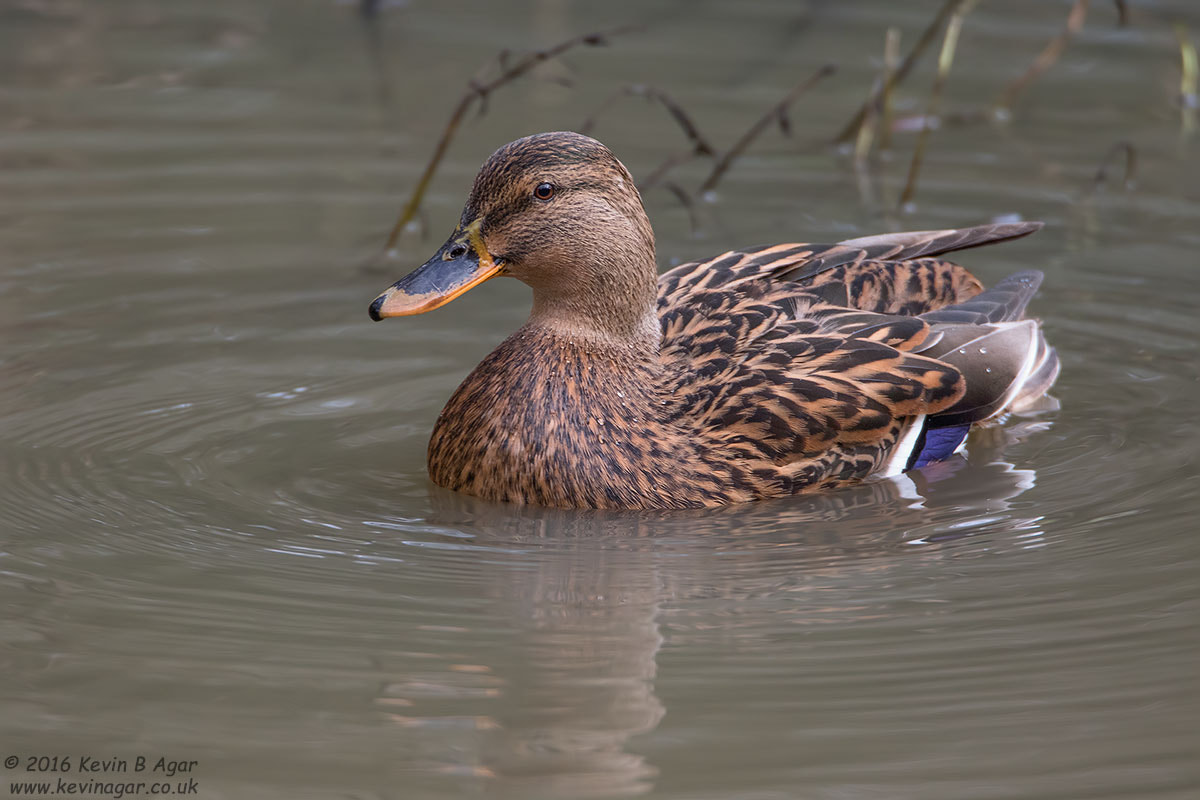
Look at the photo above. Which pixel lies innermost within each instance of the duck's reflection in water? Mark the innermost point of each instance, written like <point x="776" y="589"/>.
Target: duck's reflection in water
<point x="582" y="683"/>
<point x="586" y="598"/>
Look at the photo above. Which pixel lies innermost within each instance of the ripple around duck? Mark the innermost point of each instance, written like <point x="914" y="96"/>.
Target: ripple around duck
<point x="214" y="504"/>
<point x="298" y="451"/>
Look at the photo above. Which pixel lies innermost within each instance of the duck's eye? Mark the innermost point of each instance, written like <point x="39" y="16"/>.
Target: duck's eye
<point x="544" y="191"/>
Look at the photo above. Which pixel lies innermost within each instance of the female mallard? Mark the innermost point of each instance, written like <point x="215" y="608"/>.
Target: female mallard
<point x="758" y="373"/>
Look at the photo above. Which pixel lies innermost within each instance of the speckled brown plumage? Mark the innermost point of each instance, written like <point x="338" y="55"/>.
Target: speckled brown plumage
<point x="757" y="373"/>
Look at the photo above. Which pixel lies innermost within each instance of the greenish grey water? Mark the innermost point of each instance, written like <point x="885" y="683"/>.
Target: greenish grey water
<point x="217" y="540"/>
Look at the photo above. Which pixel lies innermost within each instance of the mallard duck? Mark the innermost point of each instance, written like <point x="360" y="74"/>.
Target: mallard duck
<point x="759" y="373"/>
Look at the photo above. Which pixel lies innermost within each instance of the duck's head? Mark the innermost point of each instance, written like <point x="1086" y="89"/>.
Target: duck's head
<point x="559" y="212"/>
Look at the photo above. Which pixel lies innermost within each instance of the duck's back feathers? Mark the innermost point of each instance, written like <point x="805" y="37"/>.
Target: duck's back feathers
<point x="786" y="392"/>
<point x="818" y="364"/>
<point x="911" y="274"/>
<point x="922" y="244"/>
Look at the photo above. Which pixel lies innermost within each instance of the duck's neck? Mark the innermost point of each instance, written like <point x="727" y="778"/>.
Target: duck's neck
<point x="611" y="301"/>
<point x="635" y="342"/>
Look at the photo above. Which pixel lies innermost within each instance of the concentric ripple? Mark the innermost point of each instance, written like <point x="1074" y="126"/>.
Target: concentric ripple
<point x="217" y="539"/>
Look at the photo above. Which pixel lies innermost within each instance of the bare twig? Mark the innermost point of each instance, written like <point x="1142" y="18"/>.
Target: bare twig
<point x="879" y="111"/>
<point x="753" y="132"/>
<point x="1045" y="59"/>
<point x="1122" y="14"/>
<point x="700" y="145"/>
<point x="1189" y="79"/>
<point x="1130" y="167"/>
<point x="589" y="124"/>
<point x="927" y="36"/>
<point x="891" y="57"/>
<point x="669" y="163"/>
<point x="945" y="61"/>
<point x="478" y="91"/>
<point x="686" y="201"/>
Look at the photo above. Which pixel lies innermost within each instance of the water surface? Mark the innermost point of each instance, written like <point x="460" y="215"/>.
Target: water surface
<point x="218" y="540"/>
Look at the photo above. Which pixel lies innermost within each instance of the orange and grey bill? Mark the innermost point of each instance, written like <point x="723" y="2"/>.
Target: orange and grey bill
<point x="457" y="267"/>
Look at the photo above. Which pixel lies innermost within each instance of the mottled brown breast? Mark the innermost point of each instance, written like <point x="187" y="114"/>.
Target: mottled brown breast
<point x="554" y="422"/>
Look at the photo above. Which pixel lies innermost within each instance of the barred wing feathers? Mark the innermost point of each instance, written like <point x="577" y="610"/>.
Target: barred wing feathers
<point x="807" y="365"/>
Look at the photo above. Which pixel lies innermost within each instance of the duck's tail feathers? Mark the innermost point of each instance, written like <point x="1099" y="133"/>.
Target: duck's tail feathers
<point x="1007" y="366"/>
<point x="1005" y="362"/>
<point x="1004" y="359"/>
<point x="1033" y="394"/>
<point x="1013" y="383"/>
<point x="995" y="361"/>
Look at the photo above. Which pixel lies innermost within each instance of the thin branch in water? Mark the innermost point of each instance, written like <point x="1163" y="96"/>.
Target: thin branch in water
<point x="753" y="132"/>
<point x="1189" y="79"/>
<point x="1130" y="167"/>
<point x="686" y="201"/>
<point x="927" y="36"/>
<point x="945" y="62"/>
<point x="478" y="90"/>
<point x="1122" y="14"/>
<point x="668" y="164"/>
<point x="700" y="145"/>
<point x="531" y="60"/>
<point x="784" y="122"/>
<point x="1045" y="60"/>
<point x="891" y="57"/>
<point x="588" y="125"/>
<point x="876" y="111"/>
